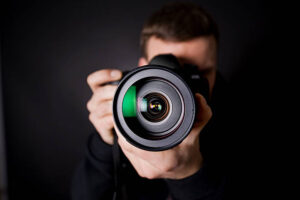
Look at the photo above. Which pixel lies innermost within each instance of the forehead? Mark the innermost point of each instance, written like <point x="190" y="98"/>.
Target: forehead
<point x="200" y="51"/>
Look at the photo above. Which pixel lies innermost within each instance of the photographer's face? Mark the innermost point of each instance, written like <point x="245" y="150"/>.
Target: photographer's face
<point x="200" y="51"/>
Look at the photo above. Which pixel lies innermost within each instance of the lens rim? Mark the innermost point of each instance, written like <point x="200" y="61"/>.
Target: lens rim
<point x="183" y="128"/>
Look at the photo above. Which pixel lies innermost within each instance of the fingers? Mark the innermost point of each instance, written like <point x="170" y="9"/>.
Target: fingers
<point x="104" y="126"/>
<point x="101" y="116"/>
<point x="103" y="95"/>
<point x="204" y="112"/>
<point x="102" y="109"/>
<point x="100" y="105"/>
<point x="105" y="92"/>
<point x="163" y="161"/>
<point x="203" y="115"/>
<point x="101" y="102"/>
<point x="144" y="169"/>
<point x="127" y="147"/>
<point x="100" y="77"/>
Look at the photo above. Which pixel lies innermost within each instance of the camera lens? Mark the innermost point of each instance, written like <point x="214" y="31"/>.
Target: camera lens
<point x="155" y="107"/>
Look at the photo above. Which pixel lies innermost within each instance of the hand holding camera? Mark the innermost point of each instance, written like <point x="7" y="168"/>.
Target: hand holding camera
<point x="154" y="109"/>
<point x="100" y="104"/>
<point x="178" y="162"/>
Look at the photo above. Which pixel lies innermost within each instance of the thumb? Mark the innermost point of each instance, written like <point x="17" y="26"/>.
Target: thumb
<point x="204" y="112"/>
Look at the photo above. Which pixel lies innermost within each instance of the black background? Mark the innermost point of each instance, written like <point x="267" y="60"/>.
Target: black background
<point x="48" y="49"/>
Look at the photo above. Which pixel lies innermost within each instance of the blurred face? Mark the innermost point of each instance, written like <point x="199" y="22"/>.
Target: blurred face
<point x="201" y="51"/>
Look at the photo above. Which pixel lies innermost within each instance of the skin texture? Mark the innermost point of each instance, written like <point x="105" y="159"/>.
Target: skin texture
<point x="183" y="160"/>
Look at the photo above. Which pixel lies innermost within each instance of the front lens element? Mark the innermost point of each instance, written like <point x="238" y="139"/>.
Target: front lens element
<point x="157" y="107"/>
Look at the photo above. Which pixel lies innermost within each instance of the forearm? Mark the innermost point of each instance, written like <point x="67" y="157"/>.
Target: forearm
<point x="93" y="178"/>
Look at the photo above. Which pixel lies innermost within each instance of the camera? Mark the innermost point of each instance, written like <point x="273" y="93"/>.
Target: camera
<point x="154" y="105"/>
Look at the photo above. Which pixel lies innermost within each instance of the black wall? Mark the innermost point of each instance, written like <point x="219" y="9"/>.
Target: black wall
<point x="48" y="49"/>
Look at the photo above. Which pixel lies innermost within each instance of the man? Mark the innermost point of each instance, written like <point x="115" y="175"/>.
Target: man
<point x="195" y="169"/>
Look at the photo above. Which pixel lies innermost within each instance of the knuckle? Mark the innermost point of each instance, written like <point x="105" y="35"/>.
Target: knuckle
<point x="105" y="92"/>
<point x="140" y="173"/>
<point x="89" y="79"/>
<point x="98" y="90"/>
<point x="109" y="89"/>
<point x="151" y="175"/>
<point x="101" y="91"/>
<point x="97" y="76"/>
<point x="104" y="74"/>
<point x="91" y="117"/>
<point x="99" y="94"/>
<point x="108" y="106"/>
<point x="89" y="105"/>
<point x="100" y="109"/>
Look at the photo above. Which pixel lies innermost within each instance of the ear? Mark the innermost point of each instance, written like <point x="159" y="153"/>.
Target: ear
<point x="142" y="61"/>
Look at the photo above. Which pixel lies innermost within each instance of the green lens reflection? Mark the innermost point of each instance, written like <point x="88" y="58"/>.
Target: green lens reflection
<point x="129" y="102"/>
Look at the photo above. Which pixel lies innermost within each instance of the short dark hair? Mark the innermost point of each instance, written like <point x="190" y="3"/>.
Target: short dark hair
<point x="178" y="21"/>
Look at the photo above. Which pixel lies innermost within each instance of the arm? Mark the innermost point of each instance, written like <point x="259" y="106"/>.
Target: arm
<point x="182" y="167"/>
<point x="178" y="162"/>
<point x="93" y="178"/>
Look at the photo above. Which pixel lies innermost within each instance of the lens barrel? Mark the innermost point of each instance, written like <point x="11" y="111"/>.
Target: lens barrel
<point x="154" y="108"/>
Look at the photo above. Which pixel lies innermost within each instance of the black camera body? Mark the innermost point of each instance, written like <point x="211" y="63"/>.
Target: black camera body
<point x="154" y="106"/>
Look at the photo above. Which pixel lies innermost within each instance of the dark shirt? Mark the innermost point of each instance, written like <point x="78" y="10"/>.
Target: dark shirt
<point x="94" y="177"/>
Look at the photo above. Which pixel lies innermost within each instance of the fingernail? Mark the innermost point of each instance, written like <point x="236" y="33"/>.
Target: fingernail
<point x="115" y="73"/>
